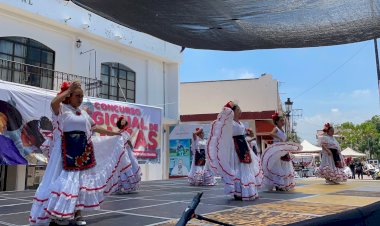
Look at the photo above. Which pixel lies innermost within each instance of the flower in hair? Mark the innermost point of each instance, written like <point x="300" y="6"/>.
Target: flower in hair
<point x="275" y="116"/>
<point x="64" y="86"/>
<point x="326" y="127"/>
<point x="230" y="104"/>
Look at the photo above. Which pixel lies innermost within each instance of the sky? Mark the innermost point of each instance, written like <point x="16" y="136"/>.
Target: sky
<point x="332" y="84"/>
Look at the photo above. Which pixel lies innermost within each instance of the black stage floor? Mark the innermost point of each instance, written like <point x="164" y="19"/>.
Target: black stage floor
<point x="155" y="203"/>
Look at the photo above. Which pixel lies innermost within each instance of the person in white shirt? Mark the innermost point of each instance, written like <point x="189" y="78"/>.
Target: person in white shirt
<point x="180" y="169"/>
<point x="200" y="173"/>
<point x="277" y="159"/>
<point x="251" y="139"/>
<point x="332" y="164"/>
<point x="231" y="157"/>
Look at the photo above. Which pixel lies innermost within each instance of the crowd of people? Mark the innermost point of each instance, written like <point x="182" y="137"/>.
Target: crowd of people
<point x="84" y="168"/>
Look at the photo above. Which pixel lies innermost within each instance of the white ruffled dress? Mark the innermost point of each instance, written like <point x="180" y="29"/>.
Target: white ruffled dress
<point x="200" y="175"/>
<point x="279" y="173"/>
<point x="130" y="179"/>
<point x="240" y="179"/>
<point x="327" y="169"/>
<point x="63" y="192"/>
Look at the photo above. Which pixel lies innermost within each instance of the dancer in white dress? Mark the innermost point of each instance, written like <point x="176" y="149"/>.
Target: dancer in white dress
<point x="332" y="163"/>
<point x="277" y="162"/>
<point x="251" y="139"/>
<point x="81" y="168"/>
<point x="131" y="178"/>
<point x="200" y="173"/>
<point x="231" y="157"/>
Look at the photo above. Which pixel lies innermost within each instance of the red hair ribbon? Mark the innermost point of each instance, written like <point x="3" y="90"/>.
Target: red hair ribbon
<point x="275" y="116"/>
<point x="64" y="86"/>
<point x="230" y="104"/>
<point x="326" y="127"/>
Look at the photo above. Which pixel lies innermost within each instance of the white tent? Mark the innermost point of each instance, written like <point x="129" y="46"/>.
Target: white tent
<point x="352" y="153"/>
<point x="309" y="148"/>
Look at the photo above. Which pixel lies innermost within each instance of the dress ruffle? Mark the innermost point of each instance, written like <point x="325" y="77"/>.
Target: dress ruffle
<point x="279" y="173"/>
<point x="63" y="192"/>
<point x="329" y="171"/>
<point x="240" y="179"/>
<point x="201" y="175"/>
<point x="130" y="179"/>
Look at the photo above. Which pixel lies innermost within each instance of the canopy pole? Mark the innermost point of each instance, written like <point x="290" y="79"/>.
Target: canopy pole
<point x="377" y="66"/>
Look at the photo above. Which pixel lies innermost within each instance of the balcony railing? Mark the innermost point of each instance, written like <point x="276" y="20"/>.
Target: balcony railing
<point x="32" y="75"/>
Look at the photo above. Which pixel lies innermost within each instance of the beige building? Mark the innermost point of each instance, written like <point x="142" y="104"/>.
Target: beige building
<point x="259" y="99"/>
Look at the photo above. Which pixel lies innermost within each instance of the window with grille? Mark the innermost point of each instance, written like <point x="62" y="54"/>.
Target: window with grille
<point x="26" y="61"/>
<point x="118" y="82"/>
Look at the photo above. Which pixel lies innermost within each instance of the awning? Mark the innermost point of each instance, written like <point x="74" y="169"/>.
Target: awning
<point x="246" y="24"/>
<point x="310" y="148"/>
<point x="352" y="153"/>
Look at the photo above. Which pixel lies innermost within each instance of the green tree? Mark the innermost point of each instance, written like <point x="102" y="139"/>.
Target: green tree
<point x="361" y="137"/>
<point x="294" y="138"/>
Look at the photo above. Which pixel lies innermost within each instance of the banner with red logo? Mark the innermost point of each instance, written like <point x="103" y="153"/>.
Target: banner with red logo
<point x="25" y="123"/>
<point x="144" y="124"/>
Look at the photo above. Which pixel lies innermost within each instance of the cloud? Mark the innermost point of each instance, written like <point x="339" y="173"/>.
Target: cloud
<point x="360" y="93"/>
<point x="246" y="75"/>
<point x="237" y="74"/>
<point x="308" y="125"/>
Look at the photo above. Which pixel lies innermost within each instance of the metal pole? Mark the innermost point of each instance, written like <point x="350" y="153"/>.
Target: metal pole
<point x="377" y="65"/>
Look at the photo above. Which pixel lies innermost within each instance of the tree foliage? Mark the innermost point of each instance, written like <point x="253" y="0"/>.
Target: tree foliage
<point x="361" y="137"/>
<point x="294" y="138"/>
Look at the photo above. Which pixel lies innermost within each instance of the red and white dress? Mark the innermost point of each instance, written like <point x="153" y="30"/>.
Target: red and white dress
<point x="277" y="163"/>
<point x="130" y="179"/>
<point x="62" y="192"/>
<point x="200" y="173"/>
<point x="226" y="152"/>
<point x="328" y="168"/>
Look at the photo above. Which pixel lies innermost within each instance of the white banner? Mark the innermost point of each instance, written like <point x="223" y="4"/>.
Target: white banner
<point x="26" y="118"/>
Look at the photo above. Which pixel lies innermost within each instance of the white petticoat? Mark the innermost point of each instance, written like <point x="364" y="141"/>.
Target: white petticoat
<point x="130" y="179"/>
<point x="240" y="179"/>
<point x="279" y="173"/>
<point x="201" y="175"/>
<point x="63" y="192"/>
<point x="329" y="171"/>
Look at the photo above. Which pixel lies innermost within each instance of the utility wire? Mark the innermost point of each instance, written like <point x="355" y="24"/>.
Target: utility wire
<point x="334" y="71"/>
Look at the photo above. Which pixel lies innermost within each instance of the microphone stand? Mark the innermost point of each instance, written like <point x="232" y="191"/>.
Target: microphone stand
<point x="189" y="213"/>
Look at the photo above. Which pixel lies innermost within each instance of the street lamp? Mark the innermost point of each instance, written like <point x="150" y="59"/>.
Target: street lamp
<point x="288" y="105"/>
<point x="288" y="108"/>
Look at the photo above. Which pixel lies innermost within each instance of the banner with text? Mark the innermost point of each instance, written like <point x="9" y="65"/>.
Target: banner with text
<point x="25" y="123"/>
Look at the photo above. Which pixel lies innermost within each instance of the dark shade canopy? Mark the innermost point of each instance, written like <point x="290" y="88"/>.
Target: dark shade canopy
<point x="246" y="24"/>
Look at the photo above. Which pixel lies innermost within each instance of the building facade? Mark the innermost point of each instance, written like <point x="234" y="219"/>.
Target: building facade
<point x="45" y="42"/>
<point x="259" y="99"/>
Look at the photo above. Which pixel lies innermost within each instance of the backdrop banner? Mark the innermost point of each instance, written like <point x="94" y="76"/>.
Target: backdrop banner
<point x="25" y="123"/>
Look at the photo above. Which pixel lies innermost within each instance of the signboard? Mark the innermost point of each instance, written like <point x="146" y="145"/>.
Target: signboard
<point x="25" y="123"/>
<point x="180" y="148"/>
<point x="180" y="163"/>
